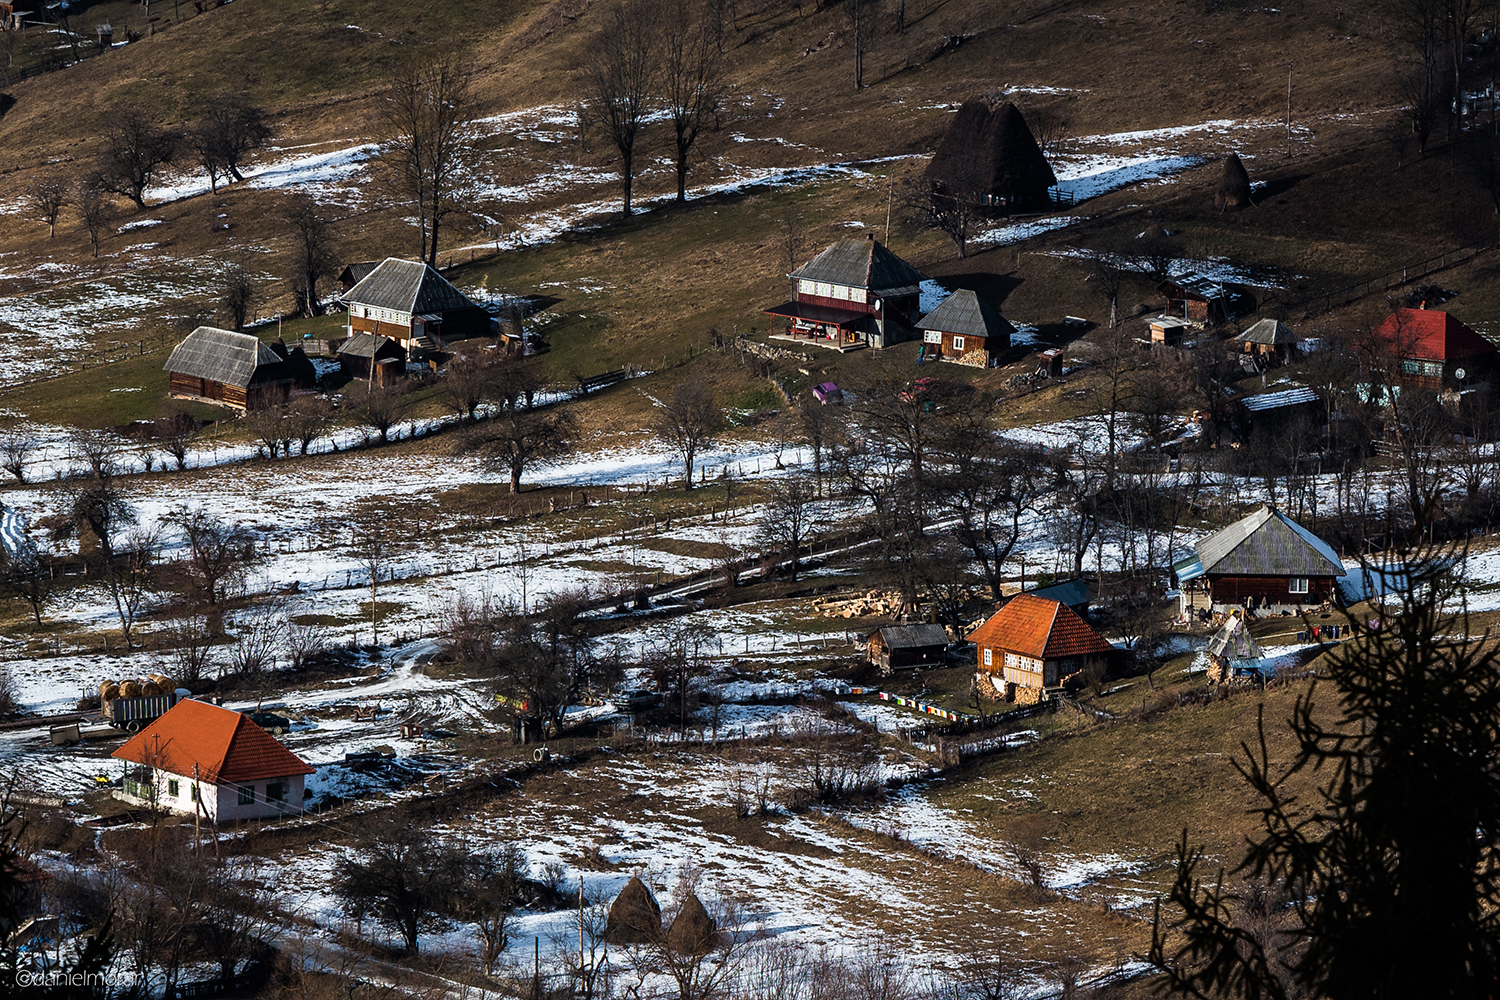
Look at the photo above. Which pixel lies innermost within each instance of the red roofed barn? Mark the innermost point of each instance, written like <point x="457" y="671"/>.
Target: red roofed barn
<point x="198" y="756"/>
<point x="1432" y="347"/>
<point x="1034" y="643"/>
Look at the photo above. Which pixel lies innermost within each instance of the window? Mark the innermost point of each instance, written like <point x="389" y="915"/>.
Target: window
<point x="1297" y="585"/>
<point x="1412" y="366"/>
<point x="193" y="791"/>
<point x="932" y="337"/>
<point x="275" y="791"/>
<point x="958" y="343"/>
<point x="247" y="794"/>
<point x="172" y="788"/>
<point x="989" y="657"/>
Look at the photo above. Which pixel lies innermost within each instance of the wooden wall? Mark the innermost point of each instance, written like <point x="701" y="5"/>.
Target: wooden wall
<point x="1270" y="589"/>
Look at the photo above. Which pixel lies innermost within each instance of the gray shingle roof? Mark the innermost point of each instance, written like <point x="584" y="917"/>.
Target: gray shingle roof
<point x="1267" y="543"/>
<point x="912" y="636"/>
<point x="407" y="286"/>
<point x="223" y="356"/>
<point x="967" y="315"/>
<point x="862" y="264"/>
<point x="364" y="345"/>
<point x="1268" y="331"/>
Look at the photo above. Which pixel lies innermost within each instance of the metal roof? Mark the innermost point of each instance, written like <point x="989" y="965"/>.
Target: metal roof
<point x="1170" y="322"/>
<point x="1266" y="543"/>
<point x="845" y="318"/>
<point x="1069" y="592"/>
<point x="1270" y="332"/>
<point x="862" y="264"/>
<point x="408" y="286"/>
<point x="223" y="356"/>
<point x="1194" y="284"/>
<point x="967" y="315"/>
<point x="913" y="636"/>
<point x="1295" y="396"/>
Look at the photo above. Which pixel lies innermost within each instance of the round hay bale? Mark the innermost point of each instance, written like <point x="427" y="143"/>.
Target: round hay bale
<point x="162" y="681"/>
<point x="130" y="689"/>
<point x="634" y="916"/>
<point x="693" y="931"/>
<point x="1234" y="185"/>
<point x="149" y="689"/>
<point x="109" y="690"/>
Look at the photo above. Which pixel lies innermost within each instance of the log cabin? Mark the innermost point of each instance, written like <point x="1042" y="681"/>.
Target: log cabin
<point x="966" y="329"/>
<point x="1264" y="562"/>
<point x="228" y="368"/>
<point x="901" y="647"/>
<point x="1033" y="643"/>
<point x="1271" y="341"/>
<point x="854" y="294"/>
<point x="200" y="758"/>
<point x="412" y="304"/>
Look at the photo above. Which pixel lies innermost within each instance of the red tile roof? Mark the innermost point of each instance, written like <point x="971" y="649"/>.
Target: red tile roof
<point x="1037" y="627"/>
<point x="226" y="746"/>
<point x="1431" y="335"/>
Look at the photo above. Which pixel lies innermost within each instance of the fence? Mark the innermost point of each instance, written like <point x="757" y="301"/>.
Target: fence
<point x="1329" y="301"/>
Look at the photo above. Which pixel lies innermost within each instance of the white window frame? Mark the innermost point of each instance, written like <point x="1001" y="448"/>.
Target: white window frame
<point x="989" y="657"/>
<point x="958" y="343"/>
<point x="1297" y="585"/>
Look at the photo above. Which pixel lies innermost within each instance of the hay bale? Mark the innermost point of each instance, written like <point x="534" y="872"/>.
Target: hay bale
<point x="1234" y="185"/>
<point x="109" y="690"/>
<point x="149" y="689"/>
<point x="634" y="916"/>
<point x="130" y="689"/>
<point x="163" y="682"/>
<point x="693" y="931"/>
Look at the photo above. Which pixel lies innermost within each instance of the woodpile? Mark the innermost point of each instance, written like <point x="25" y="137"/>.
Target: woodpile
<point x="872" y="602"/>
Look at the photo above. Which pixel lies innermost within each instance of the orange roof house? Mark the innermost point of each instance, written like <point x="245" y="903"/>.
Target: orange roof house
<point x="201" y="758"/>
<point x="1433" y="347"/>
<point x="1035" y="642"/>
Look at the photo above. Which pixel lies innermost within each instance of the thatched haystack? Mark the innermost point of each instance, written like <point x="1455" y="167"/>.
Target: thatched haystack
<point x="693" y="931"/>
<point x="1234" y="186"/>
<point x="634" y="916"/>
<point x="989" y="155"/>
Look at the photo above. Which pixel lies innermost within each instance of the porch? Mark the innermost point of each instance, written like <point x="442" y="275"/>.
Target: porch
<point x="820" y="326"/>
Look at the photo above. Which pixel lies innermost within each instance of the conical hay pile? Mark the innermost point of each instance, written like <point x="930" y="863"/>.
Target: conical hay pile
<point x="1234" y="185"/>
<point x="693" y="932"/>
<point x="634" y="917"/>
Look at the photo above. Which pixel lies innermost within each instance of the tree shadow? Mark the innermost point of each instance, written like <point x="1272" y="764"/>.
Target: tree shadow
<point x="6" y="103"/>
<point x="1278" y="186"/>
<point x="989" y="286"/>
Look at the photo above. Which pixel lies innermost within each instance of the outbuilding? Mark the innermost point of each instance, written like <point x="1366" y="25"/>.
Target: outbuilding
<point x="966" y="329"/>
<point x="1271" y="341"/>
<point x="901" y="647"/>
<point x="228" y="368"/>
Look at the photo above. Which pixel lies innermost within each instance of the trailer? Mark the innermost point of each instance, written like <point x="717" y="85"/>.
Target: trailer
<point x="134" y="714"/>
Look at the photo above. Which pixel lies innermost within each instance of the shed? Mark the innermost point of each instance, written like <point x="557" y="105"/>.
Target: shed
<point x="899" y="647"/>
<point x="353" y="274"/>
<point x="966" y="329"/>
<point x="1264" y="560"/>
<point x="1169" y="330"/>
<point x="1205" y="300"/>
<point x="233" y="369"/>
<point x="1232" y="650"/>
<point x="989" y="157"/>
<point x="1270" y="339"/>
<point x="358" y="353"/>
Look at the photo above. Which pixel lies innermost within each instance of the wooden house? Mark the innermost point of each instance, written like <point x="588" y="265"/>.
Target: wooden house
<point x="366" y="356"/>
<point x="1432" y="349"/>
<point x="989" y="158"/>
<point x="200" y="758"/>
<point x="901" y="647"/>
<point x="232" y="369"/>
<point x="415" y="306"/>
<point x="1169" y="330"/>
<point x="1033" y="643"/>
<point x="1271" y="341"/>
<point x="1276" y="408"/>
<point x="1203" y="300"/>
<point x="1264" y="561"/>
<point x="966" y="329"/>
<point x="854" y="294"/>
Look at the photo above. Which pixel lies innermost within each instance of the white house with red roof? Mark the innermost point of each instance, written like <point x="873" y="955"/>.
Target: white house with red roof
<point x="1034" y="642"/>
<point x="200" y="758"/>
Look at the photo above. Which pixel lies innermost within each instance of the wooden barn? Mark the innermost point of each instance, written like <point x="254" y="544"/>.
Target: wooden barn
<point x="966" y="329"/>
<point x="989" y="157"/>
<point x="902" y="647"/>
<point x="1203" y="300"/>
<point x="1265" y="562"/>
<point x="1168" y="330"/>
<point x="232" y="369"/>
<point x="366" y="356"/>
<point x="1433" y="349"/>
<point x="415" y="306"/>
<point x="854" y="294"/>
<point x="1033" y="643"/>
<point x="1271" y="341"/>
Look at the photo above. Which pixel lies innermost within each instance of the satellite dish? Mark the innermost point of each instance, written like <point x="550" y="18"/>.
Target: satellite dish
<point x="1459" y="374"/>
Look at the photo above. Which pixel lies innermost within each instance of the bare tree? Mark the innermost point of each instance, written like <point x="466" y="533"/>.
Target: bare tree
<point x="174" y="430"/>
<point x="425" y="134"/>
<point x="620" y="81"/>
<point x="787" y="522"/>
<point x="952" y="213"/>
<point x="25" y="574"/>
<point x="382" y="407"/>
<point x="402" y="876"/>
<point x="17" y="443"/>
<point x="693" y="84"/>
<point x="374" y="543"/>
<point x="259" y="632"/>
<point x="308" y="418"/>
<point x="688" y="423"/>
<point x="191" y="647"/>
<point x="219" y="555"/>
<point x="315" y="250"/>
<point x="231" y="129"/>
<point x="269" y="426"/>
<point x="519" y="438"/>
<point x="136" y="147"/>
<point x="131" y="579"/>
<point x="468" y="380"/>
<point x="863" y="18"/>
<point x="94" y="209"/>
<point x="46" y="197"/>
<point x="236" y="295"/>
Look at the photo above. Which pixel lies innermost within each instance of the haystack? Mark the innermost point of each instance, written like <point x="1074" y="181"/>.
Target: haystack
<point x="693" y="931"/>
<point x="130" y="689"/>
<point x="989" y="155"/>
<point x="634" y="916"/>
<point x="149" y="689"/>
<point x="109" y="690"/>
<point x="1234" y="185"/>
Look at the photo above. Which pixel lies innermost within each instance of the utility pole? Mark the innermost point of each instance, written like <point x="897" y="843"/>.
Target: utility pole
<point x="581" y="979"/>
<point x="1289" y="109"/>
